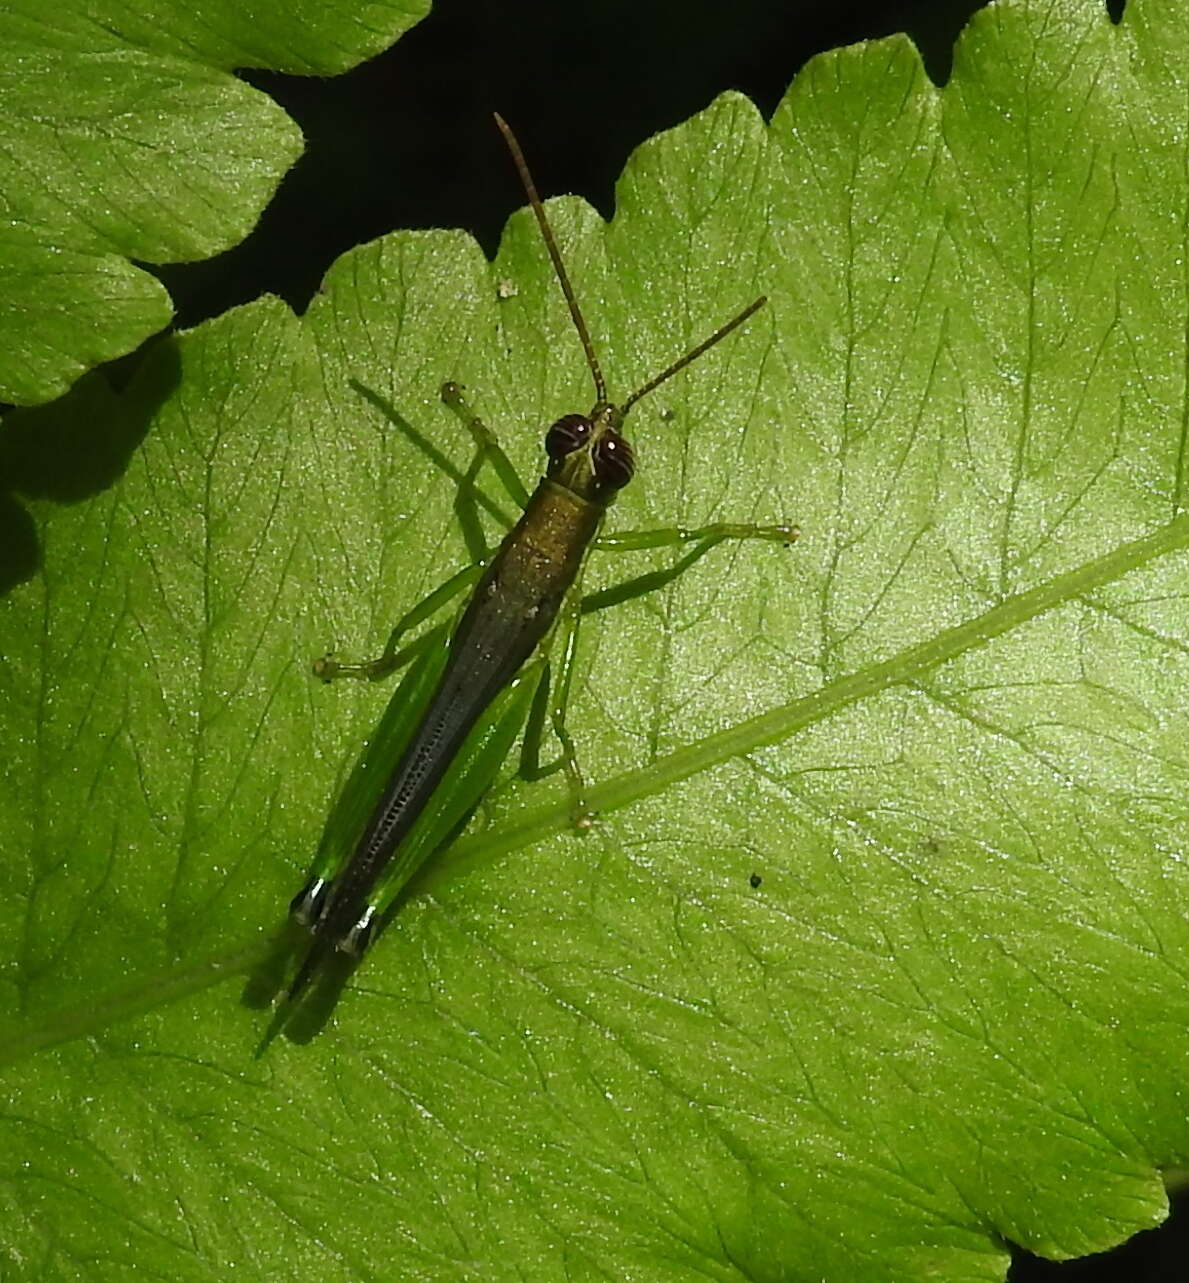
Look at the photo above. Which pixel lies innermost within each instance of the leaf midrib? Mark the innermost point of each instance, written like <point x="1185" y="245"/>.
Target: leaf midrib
<point x="536" y="824"/>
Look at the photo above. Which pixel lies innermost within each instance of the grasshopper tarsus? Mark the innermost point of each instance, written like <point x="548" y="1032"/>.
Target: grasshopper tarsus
<point x="326" y="668"/>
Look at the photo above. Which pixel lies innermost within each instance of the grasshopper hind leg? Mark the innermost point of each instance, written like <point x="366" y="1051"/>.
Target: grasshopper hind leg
<point x="309" y="904"/>
<point x="357" y="939"/>
<point x="310" y="907"/>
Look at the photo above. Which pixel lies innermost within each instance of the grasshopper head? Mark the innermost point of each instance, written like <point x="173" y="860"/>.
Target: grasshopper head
<point x="588" y="455"/>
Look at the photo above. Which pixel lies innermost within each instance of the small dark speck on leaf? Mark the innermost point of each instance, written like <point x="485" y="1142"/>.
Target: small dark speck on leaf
<point x="755" y="879"/>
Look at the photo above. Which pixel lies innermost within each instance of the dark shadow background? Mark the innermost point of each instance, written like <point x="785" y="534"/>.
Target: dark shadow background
<point x="406" y="141"/>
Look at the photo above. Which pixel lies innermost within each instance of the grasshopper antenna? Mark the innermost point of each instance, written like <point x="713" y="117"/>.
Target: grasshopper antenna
<point x="530" y="189"/>
<point x="693" y="355"/>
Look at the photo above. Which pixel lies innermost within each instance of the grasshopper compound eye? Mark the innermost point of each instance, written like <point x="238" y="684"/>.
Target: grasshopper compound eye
<point x="614" y="462"/>
<point x="571" y="432"/>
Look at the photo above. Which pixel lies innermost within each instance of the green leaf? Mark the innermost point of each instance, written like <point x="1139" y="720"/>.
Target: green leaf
<point x="946" y="729"/>
<point x="124" y="136"/>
